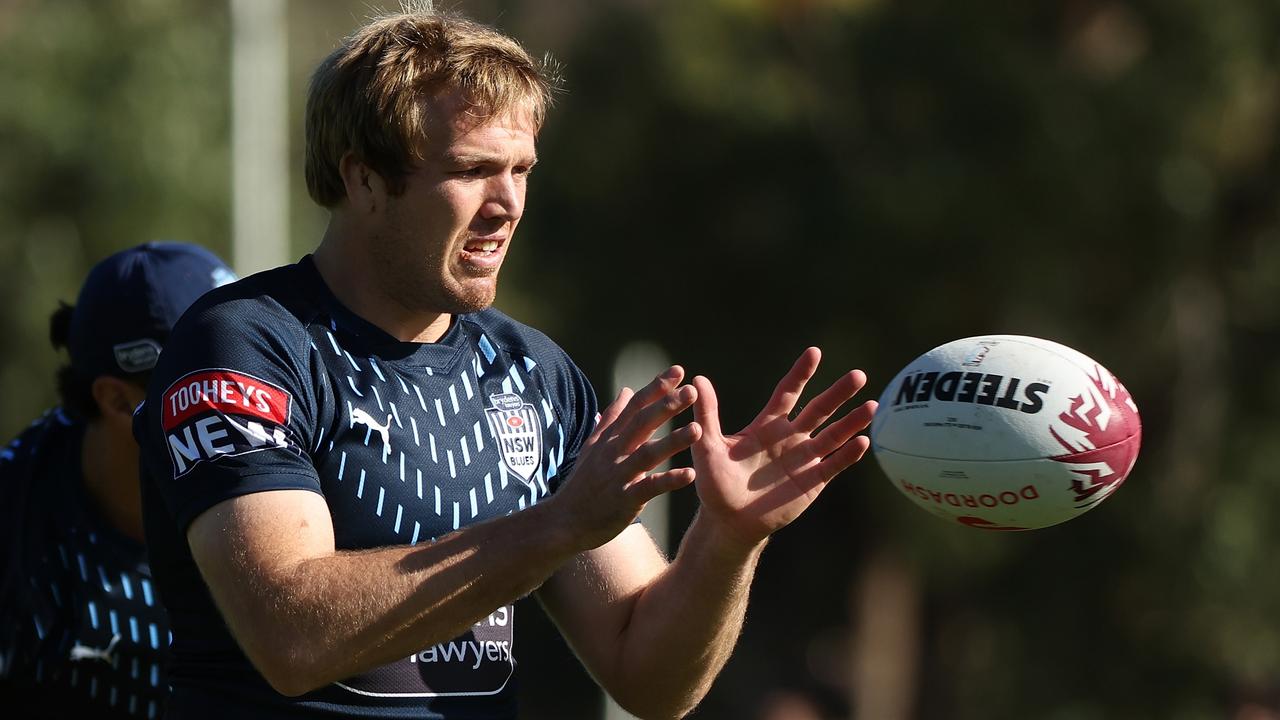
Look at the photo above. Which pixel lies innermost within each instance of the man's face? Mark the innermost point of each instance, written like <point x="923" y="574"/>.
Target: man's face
<point x="442" y="241"/>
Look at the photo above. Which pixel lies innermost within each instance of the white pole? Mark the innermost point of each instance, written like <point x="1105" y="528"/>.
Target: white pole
<point x="635" y="366"/>
<point x="259" y="135"/>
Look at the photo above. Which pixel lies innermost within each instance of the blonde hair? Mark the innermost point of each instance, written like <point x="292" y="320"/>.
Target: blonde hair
<point x="369" y="95"/>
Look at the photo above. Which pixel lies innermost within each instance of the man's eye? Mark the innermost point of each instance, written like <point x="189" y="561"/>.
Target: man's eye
<point x="473" y="172"/>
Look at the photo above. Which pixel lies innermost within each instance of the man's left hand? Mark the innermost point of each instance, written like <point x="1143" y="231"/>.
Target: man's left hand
<point x="758" y="480"/>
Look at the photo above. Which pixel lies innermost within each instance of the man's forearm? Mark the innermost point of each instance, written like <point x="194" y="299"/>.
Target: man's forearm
<point x="314" y="621"/>
<point x="684" y="626"/>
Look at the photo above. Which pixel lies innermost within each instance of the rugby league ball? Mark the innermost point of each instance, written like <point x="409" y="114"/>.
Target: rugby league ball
<point x="1006" y="432"/>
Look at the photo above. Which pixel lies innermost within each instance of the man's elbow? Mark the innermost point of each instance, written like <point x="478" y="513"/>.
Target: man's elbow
<point x="288" y="673"/>
<point x="291" y="684"/>
<point x="647" y="705"/>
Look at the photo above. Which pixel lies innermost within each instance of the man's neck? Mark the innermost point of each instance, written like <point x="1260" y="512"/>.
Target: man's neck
<point x="351" y="278"/>
<point x="109" y="465"/>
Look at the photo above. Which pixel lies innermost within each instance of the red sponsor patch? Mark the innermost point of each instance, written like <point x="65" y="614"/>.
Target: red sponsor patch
<point x="225" y="392"/>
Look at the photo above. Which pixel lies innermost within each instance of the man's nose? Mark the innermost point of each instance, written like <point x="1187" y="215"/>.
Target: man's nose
<point x="505" y="198"/>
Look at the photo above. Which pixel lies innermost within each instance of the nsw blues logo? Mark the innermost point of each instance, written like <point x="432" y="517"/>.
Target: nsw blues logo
<point x="516" y="426"/>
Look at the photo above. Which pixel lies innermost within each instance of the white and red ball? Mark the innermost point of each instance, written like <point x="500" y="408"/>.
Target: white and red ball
<point x="1006" y="432"/>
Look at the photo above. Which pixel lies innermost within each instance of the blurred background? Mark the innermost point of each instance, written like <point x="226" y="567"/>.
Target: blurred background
<point x="728" y="181"/>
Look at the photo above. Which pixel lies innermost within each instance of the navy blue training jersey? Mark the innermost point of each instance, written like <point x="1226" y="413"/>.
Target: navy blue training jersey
<point x="82" y="633"/>
<point x="270" y="383"/>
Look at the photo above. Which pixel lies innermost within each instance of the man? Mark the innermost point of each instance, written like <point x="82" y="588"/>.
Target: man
<point x="358" y="466"/>
<point x="81" y="631"/>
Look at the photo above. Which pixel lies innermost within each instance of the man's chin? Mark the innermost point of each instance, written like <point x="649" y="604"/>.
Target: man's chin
<point x="471" y="302"/>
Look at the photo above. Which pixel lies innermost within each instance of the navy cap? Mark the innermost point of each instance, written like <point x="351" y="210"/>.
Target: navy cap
<point x="130" y="301"/>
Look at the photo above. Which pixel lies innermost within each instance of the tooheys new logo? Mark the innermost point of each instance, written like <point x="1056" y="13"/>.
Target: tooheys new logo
<point x="216" y="412"/>
<point x="972" y="387"/>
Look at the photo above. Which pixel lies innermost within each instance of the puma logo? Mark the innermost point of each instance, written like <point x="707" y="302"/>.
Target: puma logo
<point x="106" y="655"/>
<point x="358" y="415"/>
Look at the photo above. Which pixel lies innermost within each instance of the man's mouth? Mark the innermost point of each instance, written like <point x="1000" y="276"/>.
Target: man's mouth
<point x="485" y="246"/>
<point x="483" y="255"/>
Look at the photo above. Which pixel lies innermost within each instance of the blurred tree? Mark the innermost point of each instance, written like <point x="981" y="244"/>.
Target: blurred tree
<point x="113" y="131"/>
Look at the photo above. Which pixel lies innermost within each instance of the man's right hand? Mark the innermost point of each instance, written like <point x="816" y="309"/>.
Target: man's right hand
<point x="611" y="482"/>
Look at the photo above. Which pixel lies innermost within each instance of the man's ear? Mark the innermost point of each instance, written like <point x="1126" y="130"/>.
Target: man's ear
<point x="366" y="190"/>
<point x="116" y="397"/>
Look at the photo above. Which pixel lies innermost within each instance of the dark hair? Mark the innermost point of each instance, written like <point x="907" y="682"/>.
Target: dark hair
<point x="75" y="392"/>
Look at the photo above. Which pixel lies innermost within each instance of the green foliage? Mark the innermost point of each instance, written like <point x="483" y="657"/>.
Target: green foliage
<point x="113" y="130"/>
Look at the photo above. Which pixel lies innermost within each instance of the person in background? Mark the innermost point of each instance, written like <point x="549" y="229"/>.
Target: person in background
<point x="82" y="632"/>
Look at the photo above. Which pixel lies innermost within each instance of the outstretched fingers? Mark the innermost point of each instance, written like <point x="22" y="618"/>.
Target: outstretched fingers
<point x="829" y="401"/>
<point x="610" y="413"/>
<point x="657" y="387"/>
<point x="834" y="449"/>
<point x="655" y="452"/>
<point x="838" y="433"/>
<point x="816" y="473"/>
<point x="706" y="411"/>
<point x="632" y="418"/>
<point x="851" y="449"/>
<point x="844" y="457"/>
<point x="659" y="483"/>
<point x="645" y="420"/>
<point x="787" y="393"/>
